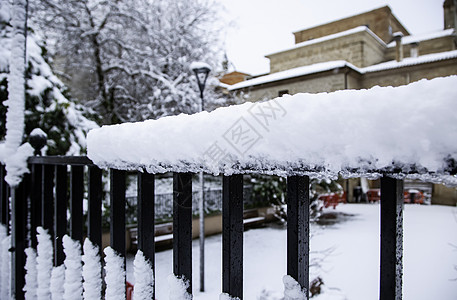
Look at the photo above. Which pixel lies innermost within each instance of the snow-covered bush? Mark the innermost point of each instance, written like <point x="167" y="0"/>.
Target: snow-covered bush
<point x="115" y="275"/>
<point x="46" y="103"/>
<point x="92" y="280"/>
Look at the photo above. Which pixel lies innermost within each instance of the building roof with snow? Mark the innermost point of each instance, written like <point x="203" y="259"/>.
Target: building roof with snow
<point x="357" y="52"/>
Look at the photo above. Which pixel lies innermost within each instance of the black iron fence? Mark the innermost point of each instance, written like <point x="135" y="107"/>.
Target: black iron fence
<point x="55" y="182"/>
<point x="213" y="204"/>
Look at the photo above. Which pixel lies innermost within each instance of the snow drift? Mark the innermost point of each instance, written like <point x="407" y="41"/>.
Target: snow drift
<point x="407" y="129"/>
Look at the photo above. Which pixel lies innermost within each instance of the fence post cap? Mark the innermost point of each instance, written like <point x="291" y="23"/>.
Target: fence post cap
<point x="38" y="139"/>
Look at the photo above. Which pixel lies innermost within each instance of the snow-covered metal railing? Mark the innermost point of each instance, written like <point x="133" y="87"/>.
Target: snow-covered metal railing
<point x="387" y="133"/>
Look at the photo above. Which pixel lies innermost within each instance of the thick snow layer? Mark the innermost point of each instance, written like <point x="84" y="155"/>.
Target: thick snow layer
<point x="92" y="280"/>
<point x="292" y="289"/>
<point x="115" y="275"/>
<point x="178" y="288"/>
<point x="31" y="283"/>
<point x="16" y="95"/>
<point x="16" y="162"/>
<point x="352" y="132"/>
<point x="73" y="269"/>
<point x="44" y="263"/>
<point x="144" y="278"/>
<point x="225" y="296"/>
<point x="57" y="284"/>
<point x="199" y="65"/>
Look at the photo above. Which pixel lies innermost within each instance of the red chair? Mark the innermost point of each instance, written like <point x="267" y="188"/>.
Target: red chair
<point x="129" y="290"/>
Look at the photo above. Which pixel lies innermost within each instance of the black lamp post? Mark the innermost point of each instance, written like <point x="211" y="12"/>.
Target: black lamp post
<point x="201" y="71"/>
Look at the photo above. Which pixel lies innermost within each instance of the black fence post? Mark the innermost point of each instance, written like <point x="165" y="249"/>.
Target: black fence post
<point x="60" y="214"/>
<point x="117" y="212"/>
<point x="146" y="216"/>
<point x="232" y="235"/>
<point x="47" y="199"/>
<point x="4" y="202"/>
<point x="35" y="201"/>
<point x="298" y="230"/>
<point x="391" y="239"/>
<point x="19" y="236"/>
<point x="95" y="191"/>
<point x="182" y="227"/>
<point x="76" y="202"/>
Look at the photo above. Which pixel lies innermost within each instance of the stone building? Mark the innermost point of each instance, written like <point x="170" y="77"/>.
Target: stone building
<point x="358" y="52"/>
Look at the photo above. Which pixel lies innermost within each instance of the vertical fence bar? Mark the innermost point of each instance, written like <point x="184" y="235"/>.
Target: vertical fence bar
<point x="47" y="206"/>
<point x="60" y="213"/>
<point x="182" y="227"/>
<point x="95" y="191"/>
<point x="117" y="212"/>
<point x="146" y="218"/>
<point x="19" y="236"/>
<point x="298" y="230"/>
<point x="391" y="239"/>
<point x="35" y="201"/>
<point x="232" y="235"/>
<point x="76" y="202"/>
<point x="4" y="207"/>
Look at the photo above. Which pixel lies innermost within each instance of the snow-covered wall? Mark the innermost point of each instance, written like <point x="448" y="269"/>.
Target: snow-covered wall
<point x="403" y="129"/>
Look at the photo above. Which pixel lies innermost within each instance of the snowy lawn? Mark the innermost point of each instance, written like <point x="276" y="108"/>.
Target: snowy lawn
<point x="352" y="269"/>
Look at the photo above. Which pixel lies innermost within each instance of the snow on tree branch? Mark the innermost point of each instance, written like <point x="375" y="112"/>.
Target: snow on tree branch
<point x="149" y="56"/>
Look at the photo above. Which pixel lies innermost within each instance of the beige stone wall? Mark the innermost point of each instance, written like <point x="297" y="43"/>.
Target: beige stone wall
<point x="444" y="195"/>
<point x="425" y="47"/>
<point x="327" y="83"/>
<point x="360" y="49"/>
<point x="404" y="76"/>
<point x="378" y="20"/>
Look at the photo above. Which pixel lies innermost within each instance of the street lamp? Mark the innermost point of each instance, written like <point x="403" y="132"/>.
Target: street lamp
<point x="201" y="71"/>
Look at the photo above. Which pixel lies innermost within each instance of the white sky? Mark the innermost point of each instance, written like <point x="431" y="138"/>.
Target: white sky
<point x="265" y="26"/>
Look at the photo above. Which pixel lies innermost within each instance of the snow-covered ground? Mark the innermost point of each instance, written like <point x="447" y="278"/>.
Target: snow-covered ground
<point x="352" y="268"/>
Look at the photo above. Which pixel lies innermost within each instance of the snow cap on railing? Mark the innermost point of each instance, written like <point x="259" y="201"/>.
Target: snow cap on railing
<point x="403" y="130"/>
